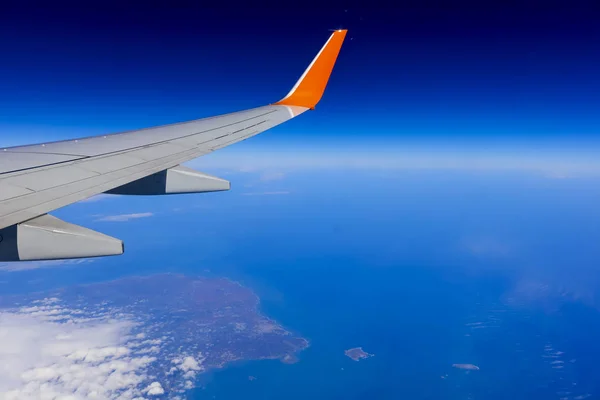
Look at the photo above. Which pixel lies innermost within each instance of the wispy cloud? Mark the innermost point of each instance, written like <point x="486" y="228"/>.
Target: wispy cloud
<point x="272" y="176"/>
<point x="29" y="265"/>
<point x="124" y="217"/>
<point x="486" y="246"/>
<point x="266" y="193"/>
<point x="49" y="350"/>
<point x="61" y="346"/>
<point x="549" y="162"/>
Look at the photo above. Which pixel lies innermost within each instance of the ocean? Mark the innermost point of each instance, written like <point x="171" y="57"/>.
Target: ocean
<point x="424" y="270"/>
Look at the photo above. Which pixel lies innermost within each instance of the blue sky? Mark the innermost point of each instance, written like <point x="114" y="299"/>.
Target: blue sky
<point x="483" y="92"/>
<point x="432" y="75"/>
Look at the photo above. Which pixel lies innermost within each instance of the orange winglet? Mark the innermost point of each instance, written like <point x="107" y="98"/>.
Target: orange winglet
<point x="310" y="87"/>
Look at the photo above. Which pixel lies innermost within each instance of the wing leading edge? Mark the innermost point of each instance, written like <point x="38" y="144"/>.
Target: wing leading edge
<point x="37" y="179"/>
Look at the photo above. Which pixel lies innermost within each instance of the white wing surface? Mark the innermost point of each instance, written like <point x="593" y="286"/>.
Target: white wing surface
<point x="37" y="179"/>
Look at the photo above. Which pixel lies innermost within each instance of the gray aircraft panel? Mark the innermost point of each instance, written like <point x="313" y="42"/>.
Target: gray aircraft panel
<point x="44" y="181"/>
<point x="208" y="128"/>
<point x="18" y="161"/>
<point x="8" y="191"/>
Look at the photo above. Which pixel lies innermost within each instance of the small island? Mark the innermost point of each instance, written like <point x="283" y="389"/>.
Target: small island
<point x="357" y="353"/>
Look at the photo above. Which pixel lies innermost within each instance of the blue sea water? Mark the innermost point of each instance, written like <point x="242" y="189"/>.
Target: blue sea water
<point x="383" y="267"/>
<point x="422" y="269"/>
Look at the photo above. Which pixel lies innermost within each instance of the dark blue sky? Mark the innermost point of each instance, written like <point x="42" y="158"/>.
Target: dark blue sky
<point x="424" y="70"/>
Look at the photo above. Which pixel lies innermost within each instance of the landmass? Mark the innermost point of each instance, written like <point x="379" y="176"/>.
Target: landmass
<point x="175" y="326"/>
<point x="219" y="317"/>
<point x="468" y="367"/>
<point x="357" y="353"/>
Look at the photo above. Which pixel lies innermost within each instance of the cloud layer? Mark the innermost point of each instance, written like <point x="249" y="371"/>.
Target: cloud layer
<point x="51" y="351"/>
<point x="132" y="338"/>
<point x="28" y="265"/>
<point x="558" y="162"/>
<point x="274" y="193"/>
<point x="125" y="217"/>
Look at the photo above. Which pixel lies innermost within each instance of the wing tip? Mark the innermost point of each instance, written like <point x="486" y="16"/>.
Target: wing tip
<point x="309" y="89"/>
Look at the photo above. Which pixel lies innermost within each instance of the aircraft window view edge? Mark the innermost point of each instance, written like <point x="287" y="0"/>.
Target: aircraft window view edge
<point x="426" y="229"/>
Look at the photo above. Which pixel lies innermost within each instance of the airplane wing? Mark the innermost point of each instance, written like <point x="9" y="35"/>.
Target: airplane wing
<point x="37" y="179"/>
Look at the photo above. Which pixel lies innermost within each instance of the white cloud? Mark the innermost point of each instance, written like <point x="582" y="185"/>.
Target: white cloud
<point x="125" y="217"/>
<point x="154" y="389"/>
<point x="51" y="349"/>
<point x="271" y="176"/>
<point x="551" y="162"/>
<point x="189" y="366"/>
<point x="28" y="265"/>
<point x="48" y="351"/>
